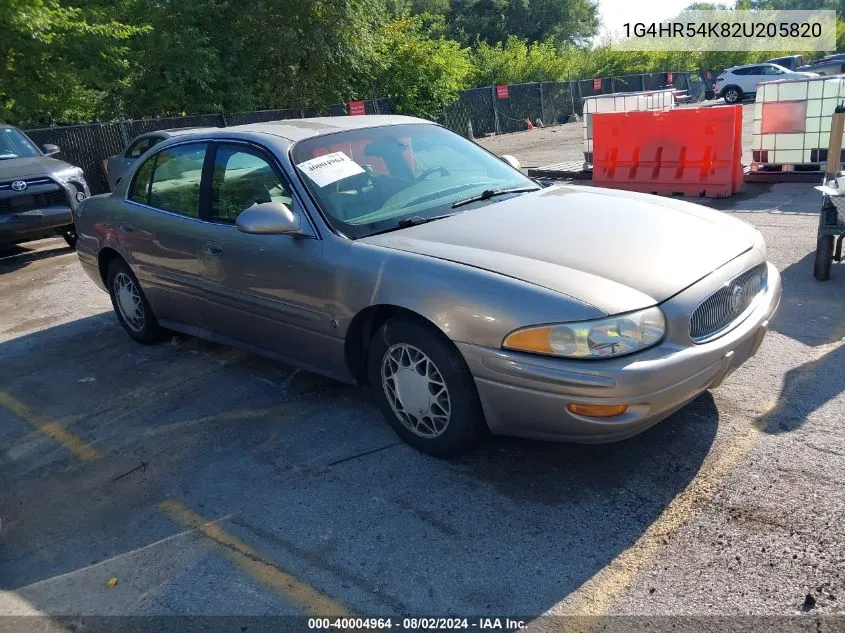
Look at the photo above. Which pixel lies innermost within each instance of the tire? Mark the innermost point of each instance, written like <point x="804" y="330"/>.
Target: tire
<point x="732" y="94"/>
<point x="408" y="355"/>
<point x="69" y="233"/>
<point x="141" y="325"/>
<point x="824" y="258"/>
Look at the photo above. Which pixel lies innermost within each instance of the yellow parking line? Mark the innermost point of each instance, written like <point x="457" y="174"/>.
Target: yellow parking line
<point x="596" y="596"/>
<point x="50" y="428"/>
<point x="295" y="591"/>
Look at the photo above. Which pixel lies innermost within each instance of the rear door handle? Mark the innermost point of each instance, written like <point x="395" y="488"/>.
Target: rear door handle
<point x="212" y="248"/>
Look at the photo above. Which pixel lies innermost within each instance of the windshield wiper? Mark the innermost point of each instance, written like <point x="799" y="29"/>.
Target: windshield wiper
<point x="490" y="193"/>
<point x="414" y="220"/>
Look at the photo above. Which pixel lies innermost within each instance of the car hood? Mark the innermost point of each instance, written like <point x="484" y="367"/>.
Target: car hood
<point x="12" y="168"/>
<point x="616" y="250"/>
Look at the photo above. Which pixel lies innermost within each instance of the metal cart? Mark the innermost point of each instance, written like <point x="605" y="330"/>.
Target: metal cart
<point x="832" y="216"/>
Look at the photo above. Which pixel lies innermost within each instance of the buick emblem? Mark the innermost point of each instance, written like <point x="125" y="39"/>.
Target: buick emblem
<point x="736" y="298"/>
<point x="19" y="185"/>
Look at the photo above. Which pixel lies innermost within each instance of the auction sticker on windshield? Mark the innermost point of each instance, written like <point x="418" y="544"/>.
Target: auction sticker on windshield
<point x="329" y="168"/>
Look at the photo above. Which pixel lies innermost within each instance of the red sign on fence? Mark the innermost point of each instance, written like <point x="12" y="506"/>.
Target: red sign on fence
<point x="356" y="108"/>
<point x="596" y="85"/>
<point x="501" y="92"/>
<point x="668" y="79"/>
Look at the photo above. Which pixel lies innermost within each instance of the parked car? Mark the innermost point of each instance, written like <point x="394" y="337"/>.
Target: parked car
<point x="117" y="165"/>
<point x="741" y="81"/>
<point x="389" y="251"/>
<point x="791" y="62"/>
<point x="38" y="193"/>
<point x="830" y="65"/>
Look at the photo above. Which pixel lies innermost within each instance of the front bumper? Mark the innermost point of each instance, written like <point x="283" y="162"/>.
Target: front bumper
<point x="34" y="223"/>
<point x="527" y="395"/>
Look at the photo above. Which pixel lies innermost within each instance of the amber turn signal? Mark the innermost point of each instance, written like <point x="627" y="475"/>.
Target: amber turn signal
<point x="597" y="410"/>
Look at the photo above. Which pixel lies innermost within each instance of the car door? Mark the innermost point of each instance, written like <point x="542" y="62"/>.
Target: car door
<point x="161" y="230"/>
<point x="264" y="290"/>
<point x="748" y="78"/>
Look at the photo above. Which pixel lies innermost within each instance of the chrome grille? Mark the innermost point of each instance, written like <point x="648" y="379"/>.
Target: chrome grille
<point x="718" y="312"/>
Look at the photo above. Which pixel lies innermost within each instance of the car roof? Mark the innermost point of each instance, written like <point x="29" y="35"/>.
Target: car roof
<point x="177" y="131"/>
<point x="299" y="129"/>
<point x="750" y="65"/>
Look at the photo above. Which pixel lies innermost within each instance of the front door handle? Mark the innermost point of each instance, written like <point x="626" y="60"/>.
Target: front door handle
<point x="126" y="228"/>
<point x="212" y="248"/>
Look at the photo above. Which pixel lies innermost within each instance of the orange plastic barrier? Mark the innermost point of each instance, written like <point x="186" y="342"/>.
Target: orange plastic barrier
<point x="690" y="151"/>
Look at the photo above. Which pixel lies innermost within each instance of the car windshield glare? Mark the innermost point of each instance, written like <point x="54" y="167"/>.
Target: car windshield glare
<point x="369" y="180"/>
<point x="14" y="144"/>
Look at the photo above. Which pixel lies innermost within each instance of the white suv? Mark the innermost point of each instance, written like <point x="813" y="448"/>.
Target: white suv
<point x="740" y="81"/>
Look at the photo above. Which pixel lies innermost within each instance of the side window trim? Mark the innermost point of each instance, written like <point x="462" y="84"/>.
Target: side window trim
<point x="130" y="190"/>
<point x="154" y="161"/>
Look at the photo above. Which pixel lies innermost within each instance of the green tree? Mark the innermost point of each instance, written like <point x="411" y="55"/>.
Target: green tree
<point x="421" y="69"/>
<point x="57" y="63"/>
<point x="493" y="21"/>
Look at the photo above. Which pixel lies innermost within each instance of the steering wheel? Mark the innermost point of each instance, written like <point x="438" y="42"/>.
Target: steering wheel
<point x="443" y="172"/>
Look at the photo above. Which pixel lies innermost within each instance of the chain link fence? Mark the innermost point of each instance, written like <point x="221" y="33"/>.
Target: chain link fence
<point x="484" y="109"/>
<point x="553" y="103"/>
<point x="88" y="146"/>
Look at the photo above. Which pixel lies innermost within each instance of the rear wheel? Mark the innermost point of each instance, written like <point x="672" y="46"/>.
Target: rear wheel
<point x="824" y="258"/>
<point x="130" y="305"/>
<point x="732" y="94"/>
<point x="424" y="388"/>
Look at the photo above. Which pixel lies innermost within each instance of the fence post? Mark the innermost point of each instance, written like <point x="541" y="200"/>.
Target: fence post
<point x="121" y="128"/>
<point x="495" y="110"/>
<point x="223" y="122"/>
<point x="571" y="95"/>
<point x="542" y="111"/>
<point x="612" y="85"/>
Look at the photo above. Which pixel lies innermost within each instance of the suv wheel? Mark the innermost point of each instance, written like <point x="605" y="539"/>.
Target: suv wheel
<point x="424" y="388"/>
<point x="732" y="94"/>
<point x="69" y="233"/>
<point x="130" y="305"/>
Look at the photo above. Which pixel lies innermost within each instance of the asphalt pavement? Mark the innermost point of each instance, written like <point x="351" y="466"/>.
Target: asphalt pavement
<point x="190" y="478"/>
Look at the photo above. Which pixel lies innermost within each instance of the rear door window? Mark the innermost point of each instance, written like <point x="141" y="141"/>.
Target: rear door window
<point x="175" y="185"/>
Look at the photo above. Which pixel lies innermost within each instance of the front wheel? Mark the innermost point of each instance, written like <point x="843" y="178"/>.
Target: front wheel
<point x="425" y="389"/>
<point x="69" y="233"/>
<point x="130" y="304"/>
<point x="732" y="95"/>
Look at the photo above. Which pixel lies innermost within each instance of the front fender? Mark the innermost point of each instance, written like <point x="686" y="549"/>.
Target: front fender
<point x="467" y="304"/>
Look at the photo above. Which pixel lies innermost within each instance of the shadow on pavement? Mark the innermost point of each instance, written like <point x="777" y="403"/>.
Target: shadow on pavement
<point x="812" y="312"/>
<point x="288" y="462"/>
<point x="18" y="256"/>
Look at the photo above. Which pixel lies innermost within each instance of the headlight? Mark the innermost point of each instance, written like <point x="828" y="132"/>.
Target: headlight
<point x="603" y="338"/>
<point x="71" y="174"/>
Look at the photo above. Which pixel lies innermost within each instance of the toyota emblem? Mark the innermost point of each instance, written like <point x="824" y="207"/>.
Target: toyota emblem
<point x="736" y="298"/>
<point x="19" y="185"/>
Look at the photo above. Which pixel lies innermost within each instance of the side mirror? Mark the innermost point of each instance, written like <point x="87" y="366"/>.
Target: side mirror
<point x="268" y="218"/>
<point x="513" y="161"/>
<point x="50" y="150"/>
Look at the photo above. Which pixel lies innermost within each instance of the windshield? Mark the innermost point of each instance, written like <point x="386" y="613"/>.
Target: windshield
<point x="369" y="180"/>
<point x="15" y="144"/>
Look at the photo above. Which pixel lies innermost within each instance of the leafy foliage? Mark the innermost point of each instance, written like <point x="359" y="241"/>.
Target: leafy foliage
<point x="106" y="59"/>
